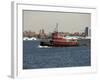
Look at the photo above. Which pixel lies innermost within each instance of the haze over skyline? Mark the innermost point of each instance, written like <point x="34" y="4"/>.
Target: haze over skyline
<point x="67" y="22"/>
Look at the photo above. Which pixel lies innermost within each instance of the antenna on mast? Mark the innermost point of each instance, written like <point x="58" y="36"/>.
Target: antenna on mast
<point x="56" y="29"/>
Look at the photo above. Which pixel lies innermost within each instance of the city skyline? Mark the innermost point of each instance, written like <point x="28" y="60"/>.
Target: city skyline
<point x="67" y="22"/>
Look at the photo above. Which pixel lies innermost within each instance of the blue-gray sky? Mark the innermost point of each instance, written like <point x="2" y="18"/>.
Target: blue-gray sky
<point x="67" y="22"/>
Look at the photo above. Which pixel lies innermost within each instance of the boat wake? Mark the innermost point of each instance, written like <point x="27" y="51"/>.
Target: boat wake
<point x="39" y="46"/>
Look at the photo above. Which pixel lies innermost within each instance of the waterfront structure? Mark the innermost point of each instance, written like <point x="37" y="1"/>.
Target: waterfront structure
<point x="86" y="31"/>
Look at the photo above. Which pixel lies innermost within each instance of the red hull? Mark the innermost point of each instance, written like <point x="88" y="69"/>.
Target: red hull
<point x="58" y="40"/>
<point x="65" y="43"/>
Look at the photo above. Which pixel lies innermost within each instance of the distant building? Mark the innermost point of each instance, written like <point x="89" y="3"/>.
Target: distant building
<point x="86" y="31"/>
<point x="89" y="32"/>
<point x="42" y="34"/>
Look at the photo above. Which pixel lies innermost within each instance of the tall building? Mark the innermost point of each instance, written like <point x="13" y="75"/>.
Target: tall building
<point x="86" y="31"/>
<point x="42" y="34"/>
<point x="89" y="32"/>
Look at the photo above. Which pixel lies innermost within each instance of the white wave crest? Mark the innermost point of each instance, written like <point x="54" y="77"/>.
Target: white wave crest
<point x="39" y="46"/>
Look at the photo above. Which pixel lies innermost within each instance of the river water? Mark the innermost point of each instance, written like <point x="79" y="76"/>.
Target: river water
<point x="35" y="57"/>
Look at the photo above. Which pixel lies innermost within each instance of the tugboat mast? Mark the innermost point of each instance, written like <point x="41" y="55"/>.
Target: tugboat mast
<point x="56" y="29"/>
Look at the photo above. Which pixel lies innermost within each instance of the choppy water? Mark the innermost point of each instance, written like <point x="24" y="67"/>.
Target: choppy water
<point x="35" y="57"/>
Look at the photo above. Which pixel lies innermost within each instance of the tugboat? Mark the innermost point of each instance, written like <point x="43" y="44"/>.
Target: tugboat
<point x="58" y="40"/>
